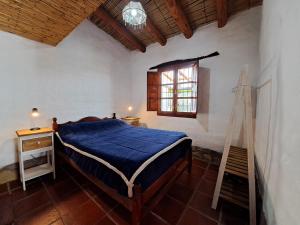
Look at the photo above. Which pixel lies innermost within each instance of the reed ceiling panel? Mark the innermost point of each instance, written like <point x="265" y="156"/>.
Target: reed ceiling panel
<point x="46" y="21"/>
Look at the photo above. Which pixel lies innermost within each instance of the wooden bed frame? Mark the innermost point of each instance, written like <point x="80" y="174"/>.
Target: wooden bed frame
<point x="151" y="196"/>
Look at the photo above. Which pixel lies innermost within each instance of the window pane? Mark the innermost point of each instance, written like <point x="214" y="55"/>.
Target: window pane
<point x="188" y="74"/>
<point x="167" y="91"/>
<point x="167" y="77"/>
<point x="186" y="105"/>
<point x="166" y="105"/>
<point x="187" y="90"/>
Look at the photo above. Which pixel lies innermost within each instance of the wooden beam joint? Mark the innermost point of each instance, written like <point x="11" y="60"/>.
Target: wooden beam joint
<point x="222" y="14"/>
<point x="180" y="18"/>
<point x="103" y="15"/>
<point x="152" y="29"/>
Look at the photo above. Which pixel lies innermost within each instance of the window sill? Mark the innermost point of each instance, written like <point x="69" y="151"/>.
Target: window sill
<point x="183" y="115"/>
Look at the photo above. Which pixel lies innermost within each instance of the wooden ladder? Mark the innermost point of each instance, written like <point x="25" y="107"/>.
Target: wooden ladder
<point x="239" y="161"/>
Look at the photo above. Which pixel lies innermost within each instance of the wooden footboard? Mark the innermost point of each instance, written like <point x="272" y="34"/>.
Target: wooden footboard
<point x="151" y="196"/>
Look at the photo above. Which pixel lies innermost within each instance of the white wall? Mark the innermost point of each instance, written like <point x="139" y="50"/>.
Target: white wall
<point x="83" y="75"/>
<point x="237" y="43"/>
<point x="280" y="60"/>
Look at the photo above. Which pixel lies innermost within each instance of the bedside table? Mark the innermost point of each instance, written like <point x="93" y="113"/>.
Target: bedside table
<point x="32" y="142"/>
<point x="134" y="121"/>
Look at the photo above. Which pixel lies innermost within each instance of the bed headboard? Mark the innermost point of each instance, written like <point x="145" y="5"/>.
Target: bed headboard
<point x="55" y="125"/>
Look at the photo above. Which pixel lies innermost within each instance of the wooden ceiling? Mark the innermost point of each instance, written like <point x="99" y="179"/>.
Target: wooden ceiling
<point x="166" y="18"/>
<point x="47" y="21"/>
<point x="50" y="21"/>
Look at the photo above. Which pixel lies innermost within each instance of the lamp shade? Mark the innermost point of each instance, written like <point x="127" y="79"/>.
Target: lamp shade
<point x="134" y="15"/>
<point x="35" y="112"/>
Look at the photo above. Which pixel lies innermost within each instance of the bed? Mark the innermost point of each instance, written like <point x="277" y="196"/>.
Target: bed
<point x="136" y="166"/>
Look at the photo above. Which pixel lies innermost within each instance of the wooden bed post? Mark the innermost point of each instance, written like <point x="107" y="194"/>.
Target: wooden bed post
<point x="137" y="205"/>
<point x="54" y="124"/>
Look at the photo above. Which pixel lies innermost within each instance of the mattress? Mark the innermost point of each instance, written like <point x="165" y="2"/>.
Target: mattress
<point x="121" y="155"/>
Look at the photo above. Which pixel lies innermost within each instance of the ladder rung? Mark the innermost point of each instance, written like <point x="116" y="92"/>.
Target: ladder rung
<point x="238" y="161"/>
<point x="235" y="193"/>
<point x="242" y="192"/>
<point x="240" y="166"/>
<point x="237" y="148"/>
<point x="237" y="173"/>
<point x="243" y="154"/>
<point x="230" y="197"/>
<point x="239" y="153"/>
<point x="237" y="157"/>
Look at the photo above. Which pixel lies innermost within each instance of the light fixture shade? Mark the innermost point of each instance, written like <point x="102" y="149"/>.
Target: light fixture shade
<point x="35" y="112"/>
<point x="134" y="15"/>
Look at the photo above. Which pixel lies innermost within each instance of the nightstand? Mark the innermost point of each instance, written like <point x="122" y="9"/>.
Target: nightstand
<point x="32" y="142"/>
<point x="134" y="121"/>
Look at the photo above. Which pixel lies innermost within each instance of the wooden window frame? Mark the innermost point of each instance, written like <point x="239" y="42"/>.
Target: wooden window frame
<point x="174" y="113"/>
<point x="152" y="90"/>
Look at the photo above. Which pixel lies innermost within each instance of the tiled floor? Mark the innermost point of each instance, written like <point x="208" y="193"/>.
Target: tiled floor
<point x="72" y="200"/>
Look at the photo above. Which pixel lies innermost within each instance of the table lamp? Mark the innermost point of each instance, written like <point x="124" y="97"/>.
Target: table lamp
<point x="34" y="114"/>
<point x="129" y="110"/>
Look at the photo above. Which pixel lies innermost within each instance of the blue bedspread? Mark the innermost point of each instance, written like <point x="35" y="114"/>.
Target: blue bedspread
<point x="123" y="146"/>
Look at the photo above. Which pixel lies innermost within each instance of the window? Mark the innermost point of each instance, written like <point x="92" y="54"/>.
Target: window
<point x="177" y="90"/>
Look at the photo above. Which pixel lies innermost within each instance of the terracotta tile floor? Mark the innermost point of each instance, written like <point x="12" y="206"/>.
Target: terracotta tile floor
<point x="71" y="200"/>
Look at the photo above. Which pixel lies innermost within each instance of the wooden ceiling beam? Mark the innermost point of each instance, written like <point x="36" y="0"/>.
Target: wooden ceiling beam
<point x="222" y="13"/>
<point x="177" y="13"/>
<point x="104" y="16"/>
<point x="153" y="30"/>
